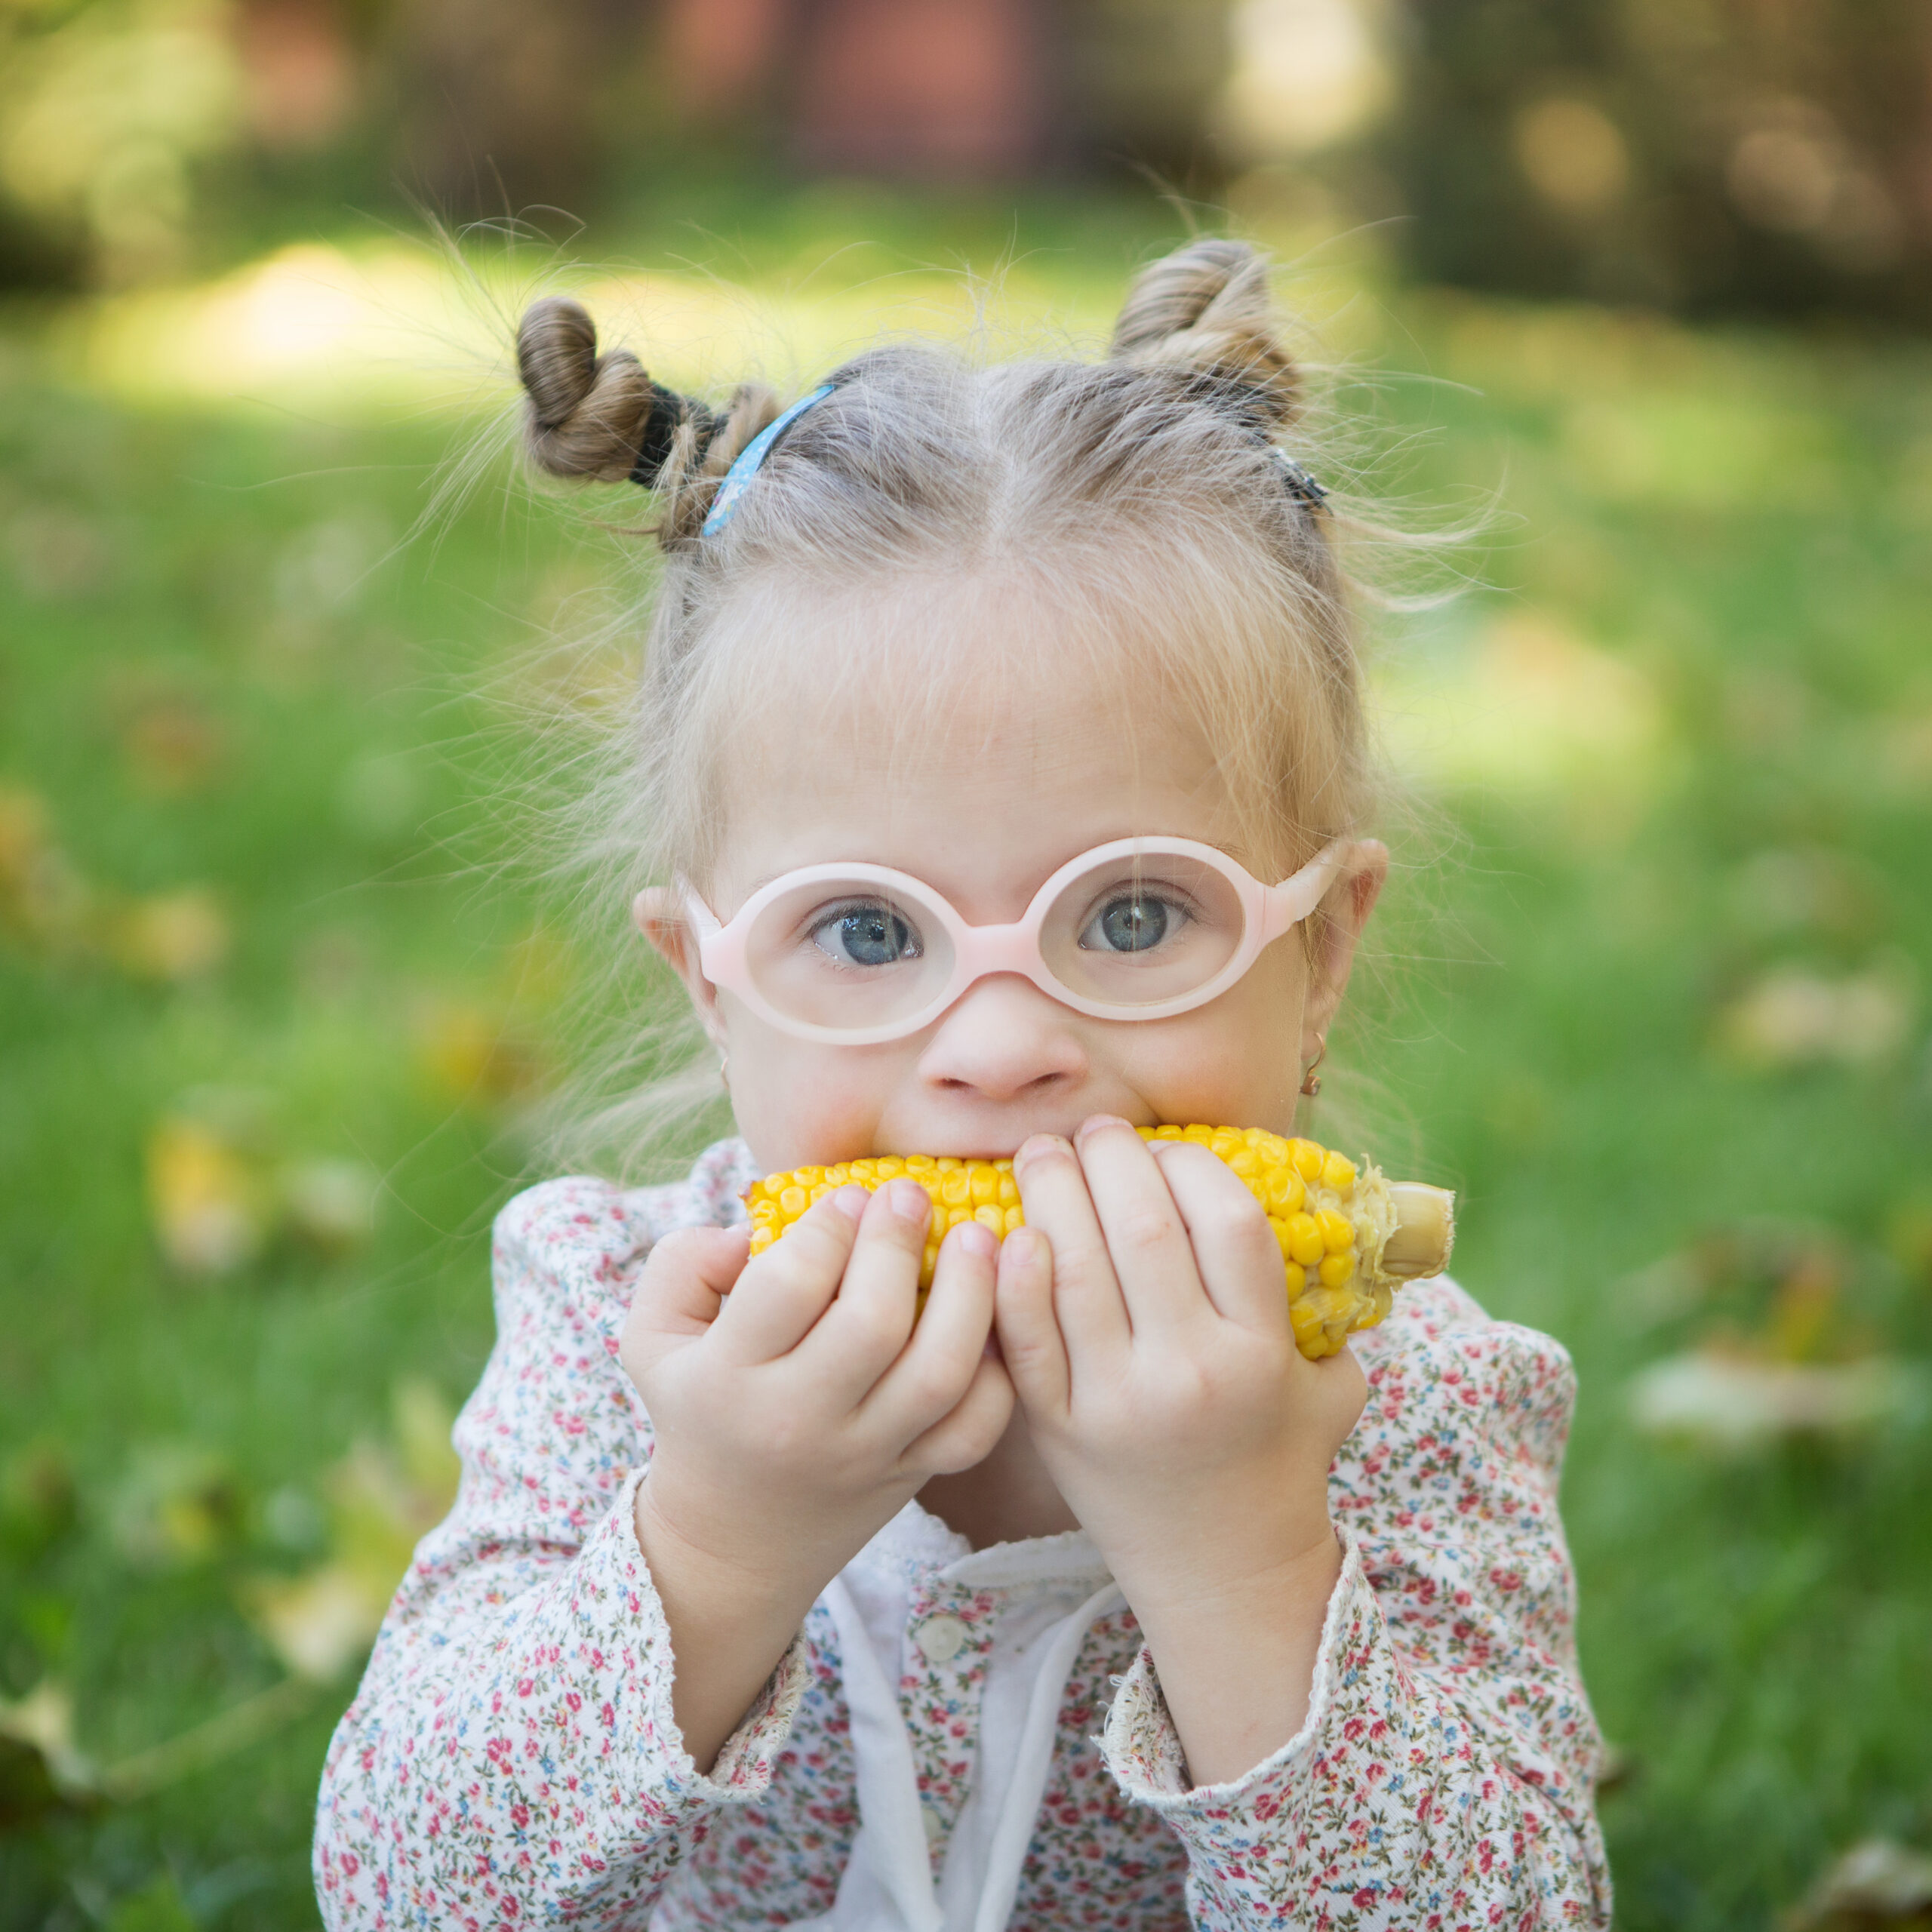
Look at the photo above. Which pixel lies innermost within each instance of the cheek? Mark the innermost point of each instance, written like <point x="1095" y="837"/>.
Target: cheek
<point x="796" y="1102"/>
<point x="1235" y="1062"/>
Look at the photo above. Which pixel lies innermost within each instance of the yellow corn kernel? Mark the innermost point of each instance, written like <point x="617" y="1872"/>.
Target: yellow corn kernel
<point x="1338" y="1231"/>
<point x="1304" y="1242"/>
<point x="1308" y="1159"/>
<point x="1287" y="1190"/>
<point x="1331" y="1221"/>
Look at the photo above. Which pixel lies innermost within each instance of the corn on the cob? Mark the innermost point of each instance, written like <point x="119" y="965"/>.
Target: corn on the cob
<point x="1348" y="1239"/>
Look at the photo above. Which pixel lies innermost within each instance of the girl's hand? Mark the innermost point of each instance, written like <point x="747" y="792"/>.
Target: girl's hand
<point x="1144" y="1320"/>
<point x="794" y="1418"/>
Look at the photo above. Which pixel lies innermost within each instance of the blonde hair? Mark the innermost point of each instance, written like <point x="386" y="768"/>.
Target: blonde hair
<point x="1150" y="490"/>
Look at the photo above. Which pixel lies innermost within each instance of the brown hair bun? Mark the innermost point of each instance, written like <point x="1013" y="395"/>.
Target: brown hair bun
<point x="1206" y="308"/>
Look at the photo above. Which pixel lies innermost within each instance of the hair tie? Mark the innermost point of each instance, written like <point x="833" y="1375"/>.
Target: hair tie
<point x="669" y="412"/>
<point x="751" y="459"/>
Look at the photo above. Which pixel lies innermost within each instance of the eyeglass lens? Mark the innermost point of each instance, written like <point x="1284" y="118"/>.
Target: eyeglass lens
<point x="1127" y="932"/>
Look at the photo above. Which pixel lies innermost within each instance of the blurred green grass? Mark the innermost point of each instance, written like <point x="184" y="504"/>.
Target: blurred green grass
<point x="1683" y="741"/>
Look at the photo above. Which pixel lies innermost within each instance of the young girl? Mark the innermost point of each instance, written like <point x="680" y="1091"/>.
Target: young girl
<point x="1079" y="1598"/>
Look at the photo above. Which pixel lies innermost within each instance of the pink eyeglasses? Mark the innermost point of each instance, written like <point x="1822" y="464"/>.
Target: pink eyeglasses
<point x="1138" y="929"/>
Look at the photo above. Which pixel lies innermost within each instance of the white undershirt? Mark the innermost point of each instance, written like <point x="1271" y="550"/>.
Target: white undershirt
<point x="1057" y="1586"/>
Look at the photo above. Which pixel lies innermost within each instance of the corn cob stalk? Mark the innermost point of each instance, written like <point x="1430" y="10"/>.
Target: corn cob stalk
<point x="1348" y="1239"/>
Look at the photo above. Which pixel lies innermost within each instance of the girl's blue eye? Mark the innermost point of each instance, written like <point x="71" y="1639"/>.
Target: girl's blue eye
<point x="1131" y="923"/>
<point x="868" y="935"/>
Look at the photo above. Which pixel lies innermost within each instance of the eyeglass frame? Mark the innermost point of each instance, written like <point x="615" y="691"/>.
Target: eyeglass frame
<point x="1271" y="913"/>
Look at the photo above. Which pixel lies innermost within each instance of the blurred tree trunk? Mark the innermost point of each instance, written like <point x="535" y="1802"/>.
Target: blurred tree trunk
<point x="982" y="88"/>
<point x="1703" y="155"/>
<point x="503" y="103"/>
<point x="935" y="88"/>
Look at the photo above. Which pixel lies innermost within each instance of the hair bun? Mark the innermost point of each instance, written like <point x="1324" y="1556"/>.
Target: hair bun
<point x="589" y="415"/>
<point x="556" y="356"/>
<point x="1206" y="308"/>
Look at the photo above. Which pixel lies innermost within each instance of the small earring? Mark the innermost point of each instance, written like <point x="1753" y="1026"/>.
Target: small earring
<point x="725" y="1069"/>
<point x="1310" y="1081"/>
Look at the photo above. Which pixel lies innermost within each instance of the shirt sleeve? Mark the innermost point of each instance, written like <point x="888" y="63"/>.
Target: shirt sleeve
<point x="1445" y="1777"/>
<point x="511" y="1755"/>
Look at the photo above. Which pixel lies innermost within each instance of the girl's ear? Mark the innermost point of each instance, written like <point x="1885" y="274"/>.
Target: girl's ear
<point x="662" y="921"/>
<point x="1345" y="913"/>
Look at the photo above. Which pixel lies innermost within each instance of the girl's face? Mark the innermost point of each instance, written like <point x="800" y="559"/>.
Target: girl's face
<point x="1030" y="768"/>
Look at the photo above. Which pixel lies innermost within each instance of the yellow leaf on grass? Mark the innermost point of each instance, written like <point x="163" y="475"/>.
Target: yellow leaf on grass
<point x="178" y="1504"/>
<point x="423" y="1425"/>
<point x="382" y="1500"/>
<point x="331" y="1203"/>
<point x="211" y="1209"/>
<point x="1792" y="1017"/>
<point x="40" y="1726"/>
<point x="469" y="1053"/>
<point x="320" y="1623"/>
<point x="1728" y="1401"/>
<point x="1879" y="1883"/>
<point x="171" y="935"/>
<point x="44" y="901"/>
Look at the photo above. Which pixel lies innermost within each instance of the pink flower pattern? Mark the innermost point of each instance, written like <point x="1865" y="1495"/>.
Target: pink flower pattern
<point x="511" y="1757"/>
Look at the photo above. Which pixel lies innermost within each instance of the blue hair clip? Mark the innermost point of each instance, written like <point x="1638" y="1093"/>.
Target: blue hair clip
<point x="751" y="459"/>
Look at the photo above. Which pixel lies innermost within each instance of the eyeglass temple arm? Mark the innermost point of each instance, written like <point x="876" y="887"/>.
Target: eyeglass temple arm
<point x="1294" y="899"/>
<point x="704" y="925"/>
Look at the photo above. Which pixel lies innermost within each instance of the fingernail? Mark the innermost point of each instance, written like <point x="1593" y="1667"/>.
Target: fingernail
<point x="976" y="1238"/>
<point x="1088" y="1127"/>
<point x="1020" y="1249"/>
<point x="850" y="1201"/>
<point x="907" y="1199"/>
<point x="1030" y="1149"/>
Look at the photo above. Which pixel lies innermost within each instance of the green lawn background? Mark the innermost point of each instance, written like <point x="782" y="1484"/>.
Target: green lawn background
<point x="1676" y="739"/>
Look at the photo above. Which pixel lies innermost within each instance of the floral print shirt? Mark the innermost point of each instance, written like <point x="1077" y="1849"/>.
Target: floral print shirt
<point x="511" y="1757"/>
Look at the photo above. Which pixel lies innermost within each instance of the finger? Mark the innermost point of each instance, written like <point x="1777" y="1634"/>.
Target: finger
<point x="1030" y="1342"/>
<point x="682" y="1286"/>
<point x="1239" y="1259"/>
<point x="686" y="1277"/>
<point x="783" y="1291"/>
<point x="936" y="1367"/>
<point x="860" y="1336"/>
<point x="1153" y="1260"/>
<point x="968" y="1436"/>
<point x="1087" y="1303"/>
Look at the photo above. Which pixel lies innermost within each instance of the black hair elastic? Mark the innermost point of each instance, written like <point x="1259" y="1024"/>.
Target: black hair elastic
<point x="669" y="412"/>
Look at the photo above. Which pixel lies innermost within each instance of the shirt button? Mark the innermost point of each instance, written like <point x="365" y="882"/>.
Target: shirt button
<point x="941" y="1638"/>
<point x="933" y="1822"/>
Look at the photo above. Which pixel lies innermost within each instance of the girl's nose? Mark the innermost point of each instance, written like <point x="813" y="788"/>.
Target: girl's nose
<point x="1004" y="1038"/>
